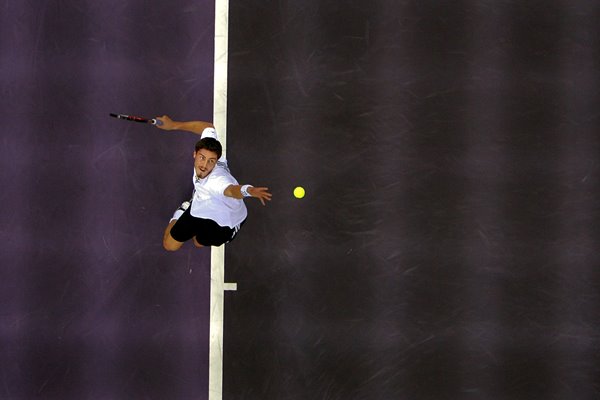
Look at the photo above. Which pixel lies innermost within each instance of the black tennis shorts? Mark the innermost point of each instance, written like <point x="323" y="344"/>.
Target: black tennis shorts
<point x="206" y="231"/>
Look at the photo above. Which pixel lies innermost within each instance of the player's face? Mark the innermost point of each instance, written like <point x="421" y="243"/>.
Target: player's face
<point x="204" y="162"/>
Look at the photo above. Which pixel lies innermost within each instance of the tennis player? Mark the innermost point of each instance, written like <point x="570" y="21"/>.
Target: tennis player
<point x="216" y="211"/>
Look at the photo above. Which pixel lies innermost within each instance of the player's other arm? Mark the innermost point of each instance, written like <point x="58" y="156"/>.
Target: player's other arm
<point x="261" y="193"/>
<point x="196" y="127"/>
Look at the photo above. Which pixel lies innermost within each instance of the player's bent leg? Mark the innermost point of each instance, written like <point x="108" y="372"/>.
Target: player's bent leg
<point x="169" y="243"/>
<point x="196" y="243"/>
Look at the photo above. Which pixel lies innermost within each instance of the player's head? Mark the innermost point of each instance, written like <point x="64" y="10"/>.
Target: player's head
<point x="206" y="155"/>
<point x="210" y="144"/>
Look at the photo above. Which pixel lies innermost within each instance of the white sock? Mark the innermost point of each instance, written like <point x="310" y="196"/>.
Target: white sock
<point x="178" y="213"/>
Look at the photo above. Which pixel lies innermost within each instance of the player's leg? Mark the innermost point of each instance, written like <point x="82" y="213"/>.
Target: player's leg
<point x="169" y="243"/>
<point x="179" y="229"/>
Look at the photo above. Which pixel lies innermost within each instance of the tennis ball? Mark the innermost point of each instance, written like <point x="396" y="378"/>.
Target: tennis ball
<point x="299" y="192"/>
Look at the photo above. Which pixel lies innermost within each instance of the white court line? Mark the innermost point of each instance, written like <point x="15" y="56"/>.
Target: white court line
<point x="217" y="259"/>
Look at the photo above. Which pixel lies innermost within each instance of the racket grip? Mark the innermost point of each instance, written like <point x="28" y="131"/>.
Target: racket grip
<point x="157" y="122"/>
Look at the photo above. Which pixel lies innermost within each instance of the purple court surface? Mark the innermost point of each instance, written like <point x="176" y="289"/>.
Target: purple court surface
<point x="446" y="247"/>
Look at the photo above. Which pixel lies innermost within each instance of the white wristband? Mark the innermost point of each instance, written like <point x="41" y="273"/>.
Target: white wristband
<point x="244" y="190"/>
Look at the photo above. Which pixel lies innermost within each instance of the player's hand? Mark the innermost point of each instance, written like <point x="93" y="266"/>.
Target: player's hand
<point x="167" y="123"/>
<point x="261" y="193"/>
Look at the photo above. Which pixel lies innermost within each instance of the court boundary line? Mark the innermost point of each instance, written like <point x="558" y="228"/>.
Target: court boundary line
<point x="217" y="258"/>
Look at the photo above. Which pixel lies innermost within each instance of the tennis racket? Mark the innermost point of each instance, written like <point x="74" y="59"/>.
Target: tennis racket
<point x="152" y="121"/>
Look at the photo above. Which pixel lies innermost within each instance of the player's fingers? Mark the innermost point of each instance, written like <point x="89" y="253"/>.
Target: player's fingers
<point x="164" y="122"/>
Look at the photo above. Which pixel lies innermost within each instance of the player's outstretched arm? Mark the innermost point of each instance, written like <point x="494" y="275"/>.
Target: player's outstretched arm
<point x="196" y="127"/>
<point x="242" y="191"/>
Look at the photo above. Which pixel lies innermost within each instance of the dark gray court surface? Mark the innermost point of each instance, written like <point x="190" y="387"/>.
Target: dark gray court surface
<point x="446" y="247"/>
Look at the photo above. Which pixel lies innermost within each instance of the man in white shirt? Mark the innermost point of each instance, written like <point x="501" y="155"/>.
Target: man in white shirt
<point x="217" y="210"/>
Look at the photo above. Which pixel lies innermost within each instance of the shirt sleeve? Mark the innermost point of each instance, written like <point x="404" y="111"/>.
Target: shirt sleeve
<point x="209" y="132"/>
<point x="220" y="183"/>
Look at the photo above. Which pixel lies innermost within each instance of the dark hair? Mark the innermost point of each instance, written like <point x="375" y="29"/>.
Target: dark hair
<point x="210" y="144"/>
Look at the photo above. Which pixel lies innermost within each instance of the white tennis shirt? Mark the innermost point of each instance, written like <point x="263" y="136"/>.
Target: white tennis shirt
<point x="209" y="202"/>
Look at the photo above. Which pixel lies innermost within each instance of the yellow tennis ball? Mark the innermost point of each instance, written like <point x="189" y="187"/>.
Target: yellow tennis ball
<point x="299" y="192"/>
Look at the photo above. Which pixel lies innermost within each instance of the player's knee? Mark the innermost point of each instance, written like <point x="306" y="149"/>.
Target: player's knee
<point x="170" y="246"/>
